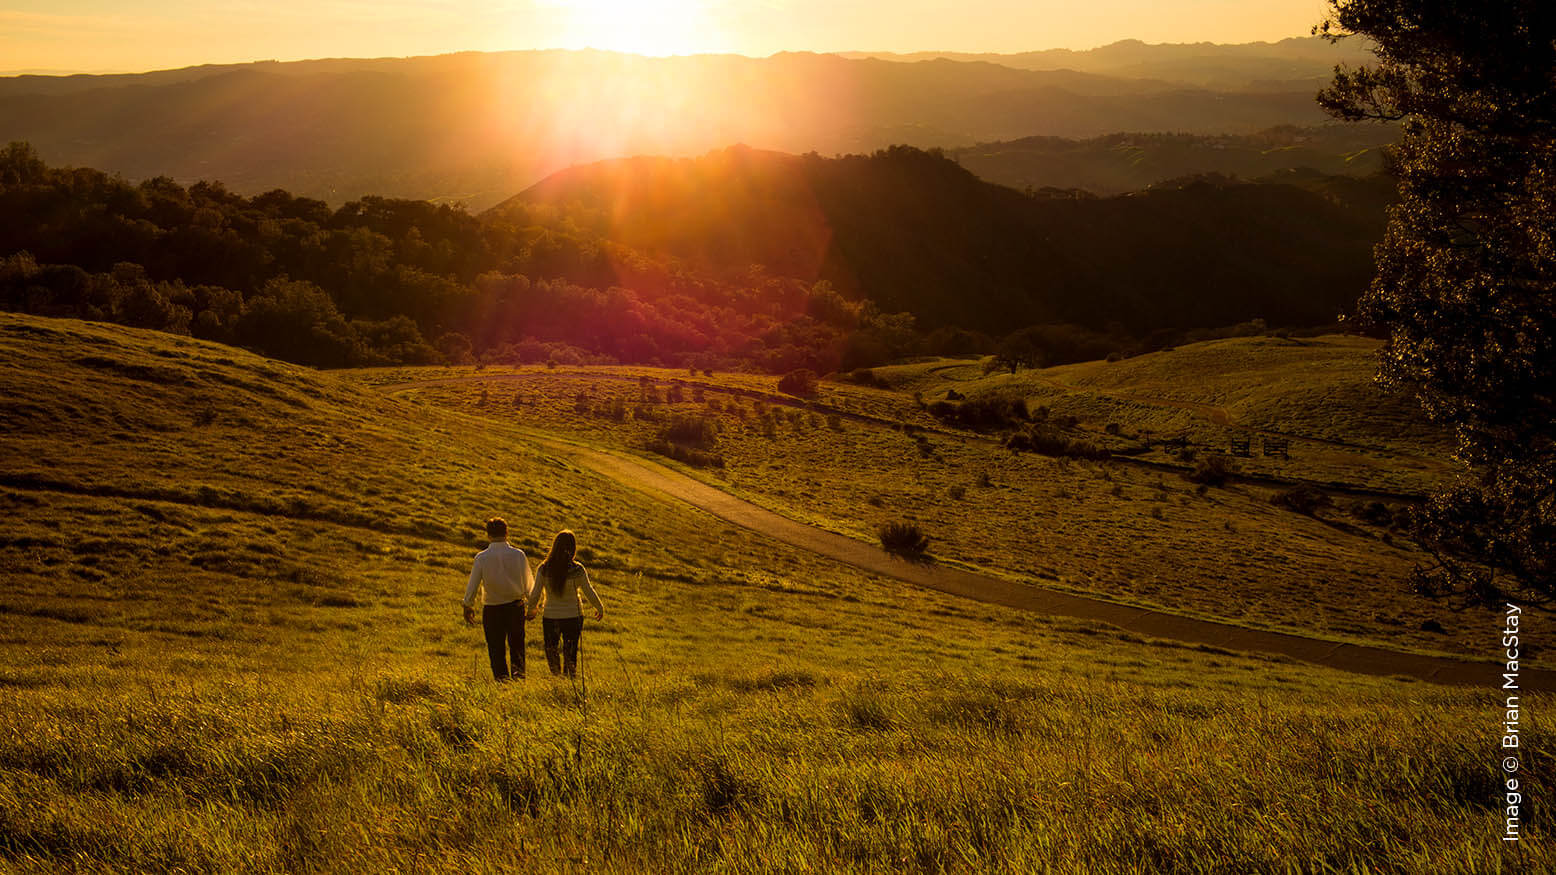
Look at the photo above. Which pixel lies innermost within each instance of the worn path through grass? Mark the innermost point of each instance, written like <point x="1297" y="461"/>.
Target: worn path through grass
<point x="650" y="476"/>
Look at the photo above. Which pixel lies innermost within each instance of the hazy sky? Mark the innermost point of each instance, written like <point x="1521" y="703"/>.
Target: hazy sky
<point x="136" y="35"/>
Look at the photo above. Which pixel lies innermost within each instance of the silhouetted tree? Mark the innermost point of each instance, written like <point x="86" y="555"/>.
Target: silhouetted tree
<point x="1466" y="274"/>
<point x="1021" y="349"/>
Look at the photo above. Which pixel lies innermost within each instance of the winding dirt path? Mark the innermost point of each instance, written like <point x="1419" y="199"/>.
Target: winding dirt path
<point x="652" y="477"/>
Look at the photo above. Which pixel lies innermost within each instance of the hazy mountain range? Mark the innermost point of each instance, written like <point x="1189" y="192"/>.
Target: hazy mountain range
<point x="477" y="127"/>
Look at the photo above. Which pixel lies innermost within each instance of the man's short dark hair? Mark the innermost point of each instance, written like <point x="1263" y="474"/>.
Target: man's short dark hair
<point x="497" y="528"/>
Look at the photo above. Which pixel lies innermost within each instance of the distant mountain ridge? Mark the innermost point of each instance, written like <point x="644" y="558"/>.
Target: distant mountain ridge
<point x="1130" y="161"/>
<point x="1242" y="66"/>
<point x="475" y="127"/>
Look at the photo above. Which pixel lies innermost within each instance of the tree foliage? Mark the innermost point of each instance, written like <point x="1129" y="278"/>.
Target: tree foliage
<point x="1466" y="279"/>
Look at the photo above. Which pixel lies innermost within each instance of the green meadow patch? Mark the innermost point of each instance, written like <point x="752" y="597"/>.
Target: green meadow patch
<point x="230" y="641"/>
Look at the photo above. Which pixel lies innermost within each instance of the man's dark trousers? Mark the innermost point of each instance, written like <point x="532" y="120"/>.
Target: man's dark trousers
<point x="504" y="628"/>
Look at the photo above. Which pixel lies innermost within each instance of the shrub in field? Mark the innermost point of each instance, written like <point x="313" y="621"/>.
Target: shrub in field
<point x="904" y="539"/>
<point x="801" y="382"/>
<point x="980" y="414"/>
<point x="1375" y="512"/>
<point x="866" y="377"/>
<point x="690" y="439"/>
<point x="692" y="456"/>
<point x="1049" y="441"/>
<point x="1302" y="499"/>
<point x="692" y="429"/>
<point x="958" y="492"/>
<point x="1213" y="470"/>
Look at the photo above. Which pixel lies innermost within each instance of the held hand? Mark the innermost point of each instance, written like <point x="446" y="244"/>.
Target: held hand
<point x="469" y="616"/>
<point x="599" y="614"/>
<point x="530" y="614"/>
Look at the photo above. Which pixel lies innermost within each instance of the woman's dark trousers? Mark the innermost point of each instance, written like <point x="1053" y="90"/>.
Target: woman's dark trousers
<point x="568" y="630"/>
<point x="504" y="627"/>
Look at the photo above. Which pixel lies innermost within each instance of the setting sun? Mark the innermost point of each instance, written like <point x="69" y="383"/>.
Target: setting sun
<point x="654" y="27"/>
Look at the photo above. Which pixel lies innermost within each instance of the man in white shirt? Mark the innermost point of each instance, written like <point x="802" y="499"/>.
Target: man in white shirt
<point x="502" y="573"/>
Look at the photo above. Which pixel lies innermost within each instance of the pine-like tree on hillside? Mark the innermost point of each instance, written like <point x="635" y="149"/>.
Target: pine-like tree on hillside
<point x="1466" y="274"/>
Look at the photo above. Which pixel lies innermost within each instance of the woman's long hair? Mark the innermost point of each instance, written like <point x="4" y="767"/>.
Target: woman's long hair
<point x="559" y="562"/>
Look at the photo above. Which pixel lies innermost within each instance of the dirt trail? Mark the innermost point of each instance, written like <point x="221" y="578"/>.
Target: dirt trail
<point x="652" y="477"/>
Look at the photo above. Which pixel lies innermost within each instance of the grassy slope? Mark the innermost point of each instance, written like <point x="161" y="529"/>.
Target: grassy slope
<point x="1122" y="531"/>
<point x="230" y="642"/>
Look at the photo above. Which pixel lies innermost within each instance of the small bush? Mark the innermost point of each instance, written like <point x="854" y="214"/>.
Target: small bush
<point x="691" y="429"/>
<point x="1374" y="512"/>
<point x="958" y="492"/>
<point x="834" y="422"/>
<point x="801" y="382"/>
<point x="1049" y="441"/>
<point x="904" y="539"/>
<point x="1302" y="499"/>
<point x="689" y="439"/>
<point x="866" y="377"/>
<point x="981" y="414"/>
<point x="686" y="455"/>
<point x="1213" y="470"/>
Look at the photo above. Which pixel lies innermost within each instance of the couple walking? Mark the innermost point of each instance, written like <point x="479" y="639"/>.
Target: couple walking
<point x="510" y="595"/>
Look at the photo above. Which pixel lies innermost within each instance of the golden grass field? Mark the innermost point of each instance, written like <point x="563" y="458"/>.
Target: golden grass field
<point x="231" y="642"/>
<point x="1137" y="533"/>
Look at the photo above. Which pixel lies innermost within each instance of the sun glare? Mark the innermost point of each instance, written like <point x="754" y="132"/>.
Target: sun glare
<point x="643" y="27"/>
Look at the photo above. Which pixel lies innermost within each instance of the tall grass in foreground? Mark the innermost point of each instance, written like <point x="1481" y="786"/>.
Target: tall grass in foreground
<point x="783" y="769"/>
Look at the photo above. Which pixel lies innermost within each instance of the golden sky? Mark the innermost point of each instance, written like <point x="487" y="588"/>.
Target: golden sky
<point x="138" y="35"/>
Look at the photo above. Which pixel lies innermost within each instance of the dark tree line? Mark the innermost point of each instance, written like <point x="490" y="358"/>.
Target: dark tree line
<point x="381" y="281"/>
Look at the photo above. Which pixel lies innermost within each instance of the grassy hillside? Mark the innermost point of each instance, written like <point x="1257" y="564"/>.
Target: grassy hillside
<point x="231" y="643"/>
<point x="1134" y="529"/>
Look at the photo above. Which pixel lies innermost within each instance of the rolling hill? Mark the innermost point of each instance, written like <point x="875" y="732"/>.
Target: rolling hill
<point x="1121" y="163"/>
<point x="231" y="642"/>
<point x="913" y="231"/>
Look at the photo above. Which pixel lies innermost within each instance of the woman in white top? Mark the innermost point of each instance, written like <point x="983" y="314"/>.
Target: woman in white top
<point x="561" y="579"/>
